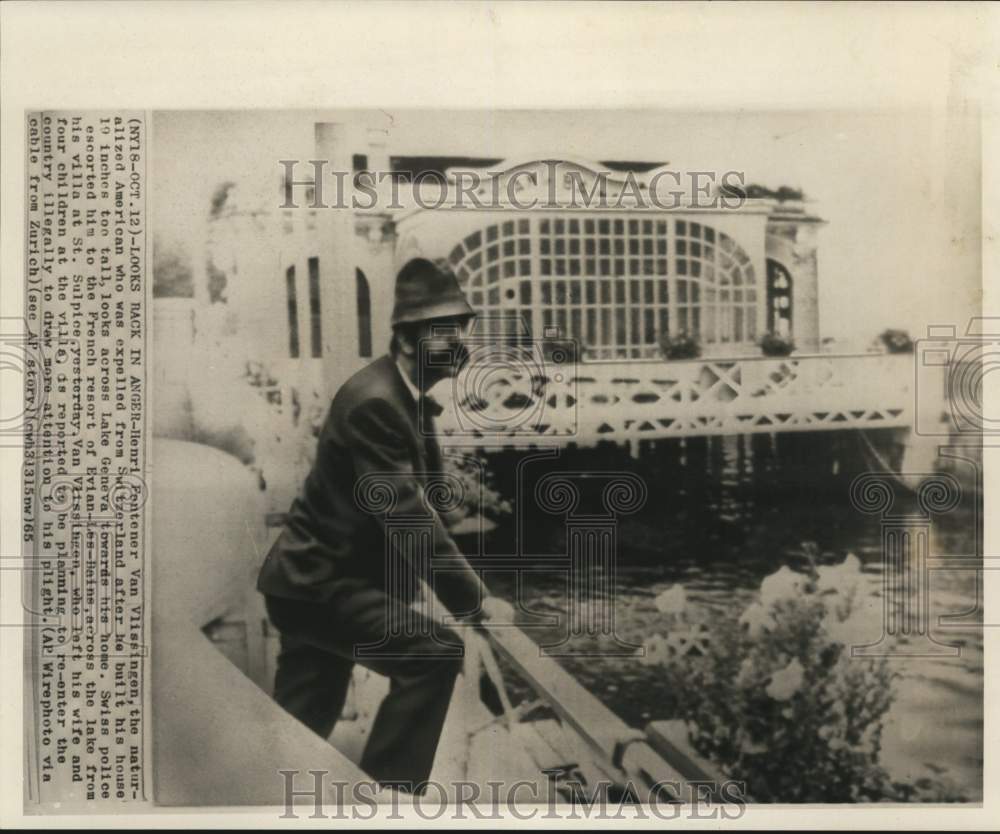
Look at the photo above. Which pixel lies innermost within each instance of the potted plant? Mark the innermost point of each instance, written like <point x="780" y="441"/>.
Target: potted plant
<point x="681" y="346"/>
<point x="896" y="340"/>
<point x="773" y="344"/>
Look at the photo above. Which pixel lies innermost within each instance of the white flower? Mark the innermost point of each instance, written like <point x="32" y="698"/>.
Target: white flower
<point x="677" y="643"/>
<point x="869" y="737"/>
<point x="827" y="577"/>
<point x="786" y="682"/>
<point x="701" y="637"/>
<point x="686" y="641"/>
<point x="748" y="670"/>
<point x="843" y="578"/>
<point x="655" y="651"/>
<point x="782" y="584"/>
<point x="672" y="601"/>
<point x="854" y="631"/>
<point x="748" y="747"/>
<point x="757" y="619"/>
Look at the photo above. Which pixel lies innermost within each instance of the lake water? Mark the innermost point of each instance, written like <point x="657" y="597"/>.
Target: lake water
<point x="721" y="515"/>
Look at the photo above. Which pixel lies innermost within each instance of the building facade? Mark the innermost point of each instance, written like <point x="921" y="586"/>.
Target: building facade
<point x="616" y="275"/>
<point x="550" y="250"/>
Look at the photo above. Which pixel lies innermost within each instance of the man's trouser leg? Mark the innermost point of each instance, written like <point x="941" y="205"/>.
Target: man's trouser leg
<point x="421" y="664"/>
<point x="311" y="684"/>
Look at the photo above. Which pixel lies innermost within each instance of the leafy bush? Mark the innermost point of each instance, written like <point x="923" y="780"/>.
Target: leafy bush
<point x="774" y="698"/>
<point x="774" y="345"/>
<point x="681" y="346"/>
<point x="896" y="341"/>
<point x="753" y="191"/>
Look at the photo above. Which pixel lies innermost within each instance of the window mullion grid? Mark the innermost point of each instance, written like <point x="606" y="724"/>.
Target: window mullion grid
<point x="567" y="281"/>
<point x="715" y="337"/>
<point x="607" y="307"/>
<point x="650" y="309"/>
<point x="634" y="306"/>
<point x="536" y="278"/>
<point x="624" y="277"/>
<point x="635" y="280"/>
<point x="671" y="235"/>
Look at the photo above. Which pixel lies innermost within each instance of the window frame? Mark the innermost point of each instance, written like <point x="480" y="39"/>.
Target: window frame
<point x="616" y="276"/>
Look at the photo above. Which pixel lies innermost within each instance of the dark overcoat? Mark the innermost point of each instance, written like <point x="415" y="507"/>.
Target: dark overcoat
<point x="331" y="536"/>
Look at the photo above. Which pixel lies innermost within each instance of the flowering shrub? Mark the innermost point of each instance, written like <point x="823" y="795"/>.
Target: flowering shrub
<point x="681" y="346"/>
<point x="481" y="496"/>
<point x="771" y="344"/>
<point x="774" y="697"/>
<point x="896" y="341"/>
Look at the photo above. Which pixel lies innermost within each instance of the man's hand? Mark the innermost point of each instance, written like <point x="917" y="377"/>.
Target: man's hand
<point x="496" y="610"/>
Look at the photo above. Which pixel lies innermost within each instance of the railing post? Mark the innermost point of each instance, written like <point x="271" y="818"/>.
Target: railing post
<point x="625" y="401"/>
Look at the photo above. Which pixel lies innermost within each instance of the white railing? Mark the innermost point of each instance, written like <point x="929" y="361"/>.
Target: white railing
<point x="624" y="401"/>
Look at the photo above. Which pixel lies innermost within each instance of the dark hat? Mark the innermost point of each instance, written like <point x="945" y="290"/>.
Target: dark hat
<point x="426" y="291"/>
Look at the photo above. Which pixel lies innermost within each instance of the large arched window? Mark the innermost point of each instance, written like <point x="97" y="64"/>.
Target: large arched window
<point x="603" y="281"/>
<point x="716" y="286"/>
<point x="494" y="265"/>
<point x="617" y="284"/>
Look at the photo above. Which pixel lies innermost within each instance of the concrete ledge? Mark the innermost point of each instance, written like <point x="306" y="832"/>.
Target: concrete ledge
<point x="218" y="739"/>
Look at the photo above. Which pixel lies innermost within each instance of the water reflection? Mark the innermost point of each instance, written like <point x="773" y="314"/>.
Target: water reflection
<point x="722" y="514"/>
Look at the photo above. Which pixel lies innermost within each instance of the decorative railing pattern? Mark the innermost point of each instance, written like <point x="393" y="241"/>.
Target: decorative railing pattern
<point x="530" y="403"/>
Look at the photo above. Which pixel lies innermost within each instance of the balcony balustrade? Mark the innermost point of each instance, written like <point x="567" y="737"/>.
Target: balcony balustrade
<point x="501" y="402"/>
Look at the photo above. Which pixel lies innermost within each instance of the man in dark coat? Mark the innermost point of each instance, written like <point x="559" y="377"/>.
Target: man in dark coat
<point x="334" y="588"/>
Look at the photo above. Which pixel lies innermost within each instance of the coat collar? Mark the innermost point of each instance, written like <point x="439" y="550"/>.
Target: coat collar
<point x="392" y="380"/>
<point x="413" y="390"/>
<point x="407" y="391"/>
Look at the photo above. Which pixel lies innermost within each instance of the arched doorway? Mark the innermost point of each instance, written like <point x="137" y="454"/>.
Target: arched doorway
<point x="779" y="299"/>
<point x="364" y="304"/>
